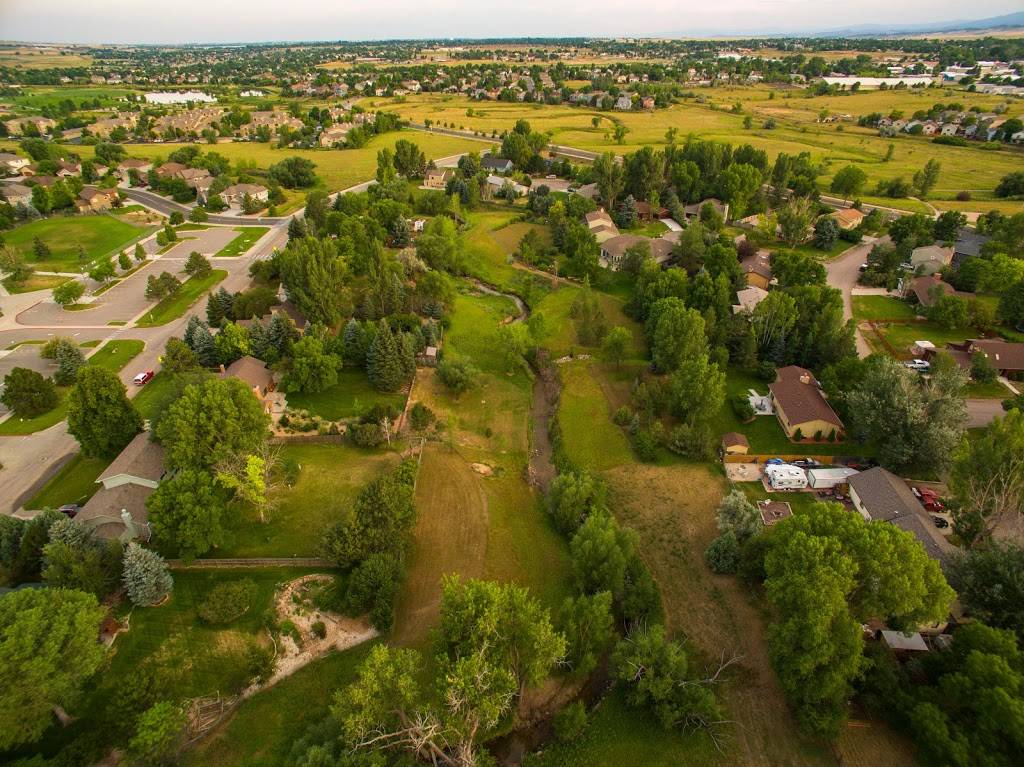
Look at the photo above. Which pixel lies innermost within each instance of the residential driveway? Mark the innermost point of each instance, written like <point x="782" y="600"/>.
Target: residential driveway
<point x="842" y="273"/>
<point x="205" y="241"/>
<point x="981" y="412"/>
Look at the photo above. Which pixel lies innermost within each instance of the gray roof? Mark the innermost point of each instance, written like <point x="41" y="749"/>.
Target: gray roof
<point x="913" y="525"/>
<point x="103" y="511"/>
<point x="141" y="458"/>
<point x="884" y="495"/>
<point x="969" y="242"/>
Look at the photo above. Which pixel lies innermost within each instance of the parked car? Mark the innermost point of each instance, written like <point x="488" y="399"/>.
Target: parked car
<point x="928" y="498"/>
<point x="143" y="378"/>
<point x="70" y="510"/>
<point x="921" y="366"/>
<point x="940" y="523"/>
<point x="807" y="463"/>
<point x="863" y="268"/>
<point x="774" y="462"/>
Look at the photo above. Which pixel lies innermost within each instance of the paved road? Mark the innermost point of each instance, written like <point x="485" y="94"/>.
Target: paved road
<point x="167" y="207"/>
<point x="842" y="274"/>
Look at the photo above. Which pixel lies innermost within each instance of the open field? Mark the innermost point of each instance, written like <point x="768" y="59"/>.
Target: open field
<point x="337" y="168"/>
<point x="113" y="356"/>
<point x="176" y="305"/>
<point x="351" y="396"/>
<point x="37" y="97"/>
<point x="74" y="483"/>
<point x="329" y="478"/>
<point x="591" y="440"/>
<point x="98" y="235"/>
<point x="31" y="57"/>
<point x="264" y="727"/>
<point x="795" y="112"/>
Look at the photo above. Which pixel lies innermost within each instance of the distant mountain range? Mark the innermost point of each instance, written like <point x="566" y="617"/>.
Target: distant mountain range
<point x="964" y="25"/>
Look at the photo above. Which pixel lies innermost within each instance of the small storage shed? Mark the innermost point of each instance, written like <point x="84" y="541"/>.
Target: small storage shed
<point x="825" y="479"/>
<point x="735" y="443"/>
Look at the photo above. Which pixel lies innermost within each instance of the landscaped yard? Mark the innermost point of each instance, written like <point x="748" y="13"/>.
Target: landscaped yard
<point x="247" y="237"/>
<point x="114" y="355"/>
<point x="329" y="478"/>
<point x="351" y="396"/>
<point x="153" y="395"/>
<point x="35" y="282"/>
<point x="74" y="483"/>
<point x="881" y="308"/>
<point x="176" y="305"/>
<point x="99" y="235"/>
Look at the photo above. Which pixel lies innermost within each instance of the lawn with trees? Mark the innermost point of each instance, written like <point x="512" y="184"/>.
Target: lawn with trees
<point x="65" y="238"/>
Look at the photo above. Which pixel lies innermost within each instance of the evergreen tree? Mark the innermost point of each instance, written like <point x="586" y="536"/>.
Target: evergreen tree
<point x="69" y="361"/>
<point x="296" y="229"/>
<point x="146" y="577"/>
<point x="193" y="326"/>
<point x="219" y="307"/>
<point x="204" y="347"/>
<point x="281" y="334"/>
<point x="352" y="349"/>
<point x="383" y="363"/>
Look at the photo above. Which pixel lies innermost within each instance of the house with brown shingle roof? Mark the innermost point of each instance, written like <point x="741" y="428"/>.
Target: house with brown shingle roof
<point x="613" y="249"/>
<point x="118" y="510"/>
<point x="601" y="225"/>
<point x="256" y="375"/>
<point x="1005" y="357"/>
<point x="847" y="218"/>
<point x="758" y="269"/>
<point x="801" y="406"/>
<point x="928" y="288"/>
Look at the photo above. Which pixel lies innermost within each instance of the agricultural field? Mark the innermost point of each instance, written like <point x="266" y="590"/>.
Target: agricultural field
<point x="709" y="116"/>
<point x="100" y="235"/>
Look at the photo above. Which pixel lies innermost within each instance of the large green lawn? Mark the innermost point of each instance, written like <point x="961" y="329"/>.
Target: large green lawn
<point x="262" y="730"/>
<point x="176" y="305"/>
<point x="74" y="483"/>
<point x="351" y="396"/>
<point x="329" y="478"/>
<point x="247" y="237"/>
<point x="35" y="282"/>
<point x="114" y="355"/>
<point x="879" y="308"/>
<point x="99" y="235"/>
<point x="590" y="439"/>
<point x="190" y="657"/>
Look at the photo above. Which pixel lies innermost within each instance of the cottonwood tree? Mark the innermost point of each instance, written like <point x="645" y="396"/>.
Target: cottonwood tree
<point x="100" y="415"/>
<point x="676" y="334"/>
<point x="187" y="512"/>
<point x="49" y="649"/>
<point x="146" y="577"/>
<point x="211" y="421"/>
<point x="573" y="497"/>
<point x="794" y="219"/>
<point x="616" y="345"/>
<point x="989" y="582"/>
<point x="251" y="477"/>
<point x="849" y="181"/>
<point x="987" y="479"/>
<point x="773" y="318"/>
<point x="314" y="275"/>
<point x="313" y="369"/>
<point x="589" y="625"/>
<point x="911" y="421"/>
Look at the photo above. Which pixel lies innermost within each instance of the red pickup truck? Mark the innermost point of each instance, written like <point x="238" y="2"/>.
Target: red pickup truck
<point x="928" y="498"/>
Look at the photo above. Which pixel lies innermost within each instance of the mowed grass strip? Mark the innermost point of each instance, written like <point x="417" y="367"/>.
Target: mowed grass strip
<point x="351" y="396"/>
<point x="172" y="307"/>
<point x="113" y="356"/>
<point x="74" y="483"/>
<point x="248" y="236"/>
<point x="98" y="235"/>
<point x="589" y="437"/>
<point x="35" y="282"/>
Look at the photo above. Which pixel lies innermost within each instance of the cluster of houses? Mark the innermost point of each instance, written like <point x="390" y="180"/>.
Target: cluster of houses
<point x="91" y="198"/>
<point x="984" y="126"/>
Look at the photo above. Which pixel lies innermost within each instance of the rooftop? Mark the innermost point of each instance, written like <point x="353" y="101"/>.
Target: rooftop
<point x="796" y="391"/>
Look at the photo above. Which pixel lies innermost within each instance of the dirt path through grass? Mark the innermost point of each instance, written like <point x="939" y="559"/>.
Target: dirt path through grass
<point x="673" y="511"/>
<point x="450" y="537"/>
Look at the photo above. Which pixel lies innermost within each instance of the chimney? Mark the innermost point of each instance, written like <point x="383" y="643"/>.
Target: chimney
<point x="222" y="369"/>
<point x="805" y="377"/>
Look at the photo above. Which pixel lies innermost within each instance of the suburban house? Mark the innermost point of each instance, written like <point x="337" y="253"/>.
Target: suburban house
<point x="645" y="212"/>
<point x="92" y="199"/>
<point x="12" y="163"/>
<point x="17" y="194"/>
<point x="118" y="510"/>
<point x="773" y="512"/>
<point x="257" y="376"/>
<point x="1005" y="357"/>
<point x="928" y="259"/>
<point x="125" y="167"/>
<point x="735" y="443"/>
<point x="67" y="169"/>
<point x="235" y="194"/>
<point x="881" y="496"/>
<point x="601" y="225"/>
<point x="801" y="406"/>
<point x="437" y="178"/>
<point x="496" y="183"/>
<point x="748" y="299"/>
<point x="758" y="269"/>
<point x="16" y="127"/>
<point x="847" y="218"/>
<point x="968" y="245"/>
<point x="335" y="134"/>
<point x="103" y="128"/>
<point x="614" y="248"/>
<point x="929" y="288"/>
<point x="496" y="164"/>
<point x="170" y="170"/>
<point x="693" y="211"/>
<point x="273" y="120"/>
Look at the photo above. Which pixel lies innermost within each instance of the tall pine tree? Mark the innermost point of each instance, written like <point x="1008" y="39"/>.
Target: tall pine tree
<point x="383" y="362"/>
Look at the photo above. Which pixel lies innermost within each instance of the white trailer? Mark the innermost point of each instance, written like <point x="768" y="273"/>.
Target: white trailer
<point x="784" y="476"/>
<point x="826" y="479"/>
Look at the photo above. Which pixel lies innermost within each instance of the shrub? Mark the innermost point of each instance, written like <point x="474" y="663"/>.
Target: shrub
<point x="319" y="629"/>
<point x="457" y="375"/>
<point x="963" y="196"/>
<point x="742" y="408"/>
<point x="420" y="416"/>
<point x="366" y="434"/>
<point x="622" y="416"/>
<point x="723" y="555"/>
<point x="373" y="587"/>
<point x="228" y="601"/>
<point x="798" y="435"/>
<point x="259" y="662"/>
<point x="645" y="445"/>
<point x="570" y="722"/>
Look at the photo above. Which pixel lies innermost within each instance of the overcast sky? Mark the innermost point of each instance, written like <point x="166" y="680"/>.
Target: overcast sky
<point x="198" y="21"/>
